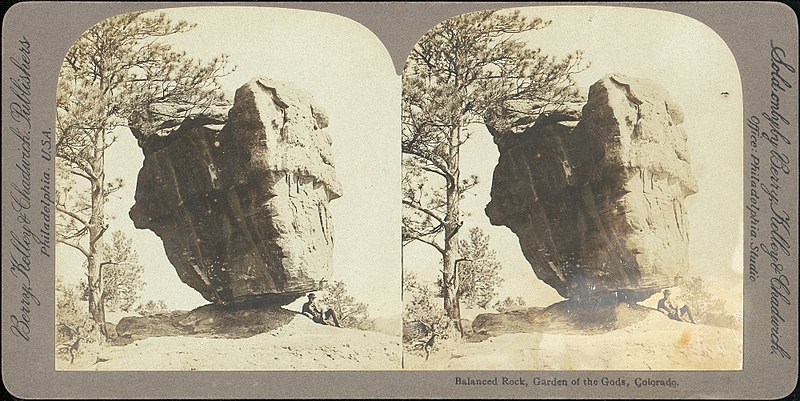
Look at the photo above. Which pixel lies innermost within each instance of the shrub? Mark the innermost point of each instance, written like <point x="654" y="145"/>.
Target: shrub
<point x="422" y="315"/>
<point x="351" y="313"/>
<point x="706" y="308"/>
<point x="152" y="308"/>
<point x="509" y="304"/>
<point x="74" y="325"/>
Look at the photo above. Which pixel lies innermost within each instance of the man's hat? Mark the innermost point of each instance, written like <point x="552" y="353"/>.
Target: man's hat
<point x="667" y="291"/>
<point x="311" y="295"/>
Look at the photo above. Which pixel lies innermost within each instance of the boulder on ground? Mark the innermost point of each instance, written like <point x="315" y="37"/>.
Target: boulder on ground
<point x="566" y="317"/>
<point x="210" y="320"/>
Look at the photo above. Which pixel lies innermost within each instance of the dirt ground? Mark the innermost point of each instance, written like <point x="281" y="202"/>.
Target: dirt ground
<point x="655" y="343"/>
<point x="298" y="345"/>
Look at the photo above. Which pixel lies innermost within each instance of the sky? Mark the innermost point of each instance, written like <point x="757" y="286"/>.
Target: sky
<point x="350" y="74"/>
<point x="694" y="66"/>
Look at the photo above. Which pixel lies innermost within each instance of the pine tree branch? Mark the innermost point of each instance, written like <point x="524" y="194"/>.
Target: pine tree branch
<point x="74" y="245"/>
<point x="71" y="214"/>
<point x="424" y="241"/>
<point x="423" y="210"/>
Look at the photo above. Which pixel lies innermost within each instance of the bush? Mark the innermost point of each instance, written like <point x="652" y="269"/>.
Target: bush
<point x="422" y="315"/>
<point x="722" y="320"/>
<point x="351" y="313"/>
<point x="706" y="308"/>
<point x="509" y="304"/>
<point x="479" y="273"/>
<point x="74" y="325"/>
<point x="152" y="308"/>
<point x="122" y="276"/>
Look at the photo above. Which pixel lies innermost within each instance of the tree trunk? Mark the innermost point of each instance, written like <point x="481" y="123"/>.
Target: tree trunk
<point x="96" y="307"/>
<point x="450" y="277"/>
<point x="96" y="230"/>
<point x="451" y="225"/>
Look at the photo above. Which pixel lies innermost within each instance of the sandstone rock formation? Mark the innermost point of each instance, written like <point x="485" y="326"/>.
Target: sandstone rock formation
<point x="566" y="317"/>
<point x="242" y="208"/>
<point x="598" y="206"/>
<point x="206" y="321"/>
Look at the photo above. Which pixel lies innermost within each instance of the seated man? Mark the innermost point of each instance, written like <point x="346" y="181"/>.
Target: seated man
<point x="317" y="312"/>
<point x="667" y="307"/>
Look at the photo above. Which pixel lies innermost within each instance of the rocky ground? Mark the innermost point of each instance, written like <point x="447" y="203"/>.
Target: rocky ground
<point x="298" y="344"/>
<point x="652" y="343"/>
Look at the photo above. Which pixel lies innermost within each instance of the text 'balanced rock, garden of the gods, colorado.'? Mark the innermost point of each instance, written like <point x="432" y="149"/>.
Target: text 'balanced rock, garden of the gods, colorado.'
<point x="243" y="210"/>
<point x="598" y="206"/>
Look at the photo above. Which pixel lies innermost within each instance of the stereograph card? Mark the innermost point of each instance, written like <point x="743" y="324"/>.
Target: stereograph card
<point x="400" y="200"/>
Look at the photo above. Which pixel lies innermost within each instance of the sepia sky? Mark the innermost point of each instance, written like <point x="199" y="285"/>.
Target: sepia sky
<point x="350" y="74"/>
<point x="695" y="66"/>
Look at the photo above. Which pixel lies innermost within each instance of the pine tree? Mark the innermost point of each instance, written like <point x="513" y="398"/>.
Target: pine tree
<point x="118" y="74"/>
<point x="469" y="69"/>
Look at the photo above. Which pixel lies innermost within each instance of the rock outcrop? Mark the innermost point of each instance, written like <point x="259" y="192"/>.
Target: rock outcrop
<point x="598" y="206"/>
<point x="242" y="209"/>
<point x="566" y="317"/>
<point x="210" y="320"/>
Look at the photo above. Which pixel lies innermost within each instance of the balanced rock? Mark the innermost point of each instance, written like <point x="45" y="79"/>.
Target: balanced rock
<point x="242" y="209"/>
<point x="598" y="205"/>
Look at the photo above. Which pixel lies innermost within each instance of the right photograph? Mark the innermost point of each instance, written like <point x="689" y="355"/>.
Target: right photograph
<point x="572" y="181"/>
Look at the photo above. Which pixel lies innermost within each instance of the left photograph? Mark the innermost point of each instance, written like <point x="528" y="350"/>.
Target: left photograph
<point x="226" y="194"/>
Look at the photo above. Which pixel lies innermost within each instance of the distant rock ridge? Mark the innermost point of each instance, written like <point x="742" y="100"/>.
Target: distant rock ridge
<point x="242" y="208"/>
<point x="598" y="205"/>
